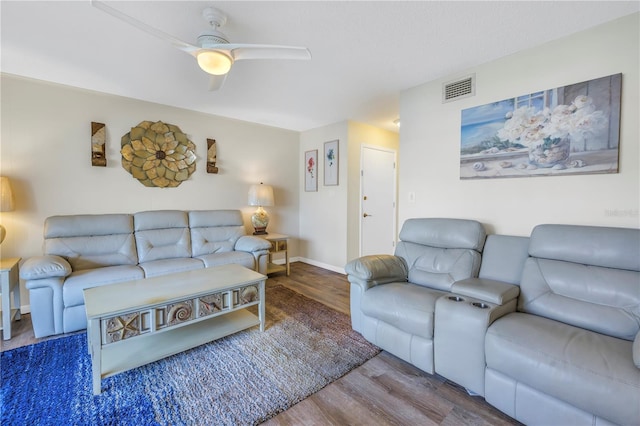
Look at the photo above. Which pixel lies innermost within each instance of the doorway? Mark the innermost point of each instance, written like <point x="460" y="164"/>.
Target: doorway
<point x="377" y="200"/>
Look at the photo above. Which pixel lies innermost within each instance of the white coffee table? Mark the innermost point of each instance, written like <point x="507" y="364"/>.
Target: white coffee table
<point x="133" y="323"/>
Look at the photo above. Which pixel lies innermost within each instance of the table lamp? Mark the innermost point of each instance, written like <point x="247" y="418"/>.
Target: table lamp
<point x="261" y="196"/>
<point x="7" y="203"/>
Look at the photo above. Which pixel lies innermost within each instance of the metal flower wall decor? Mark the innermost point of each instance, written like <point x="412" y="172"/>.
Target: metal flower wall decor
<point x="158" y="154"/>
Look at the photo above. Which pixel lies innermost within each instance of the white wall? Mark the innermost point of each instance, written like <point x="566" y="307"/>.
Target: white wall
<point x="323" y="225"/>
<point x="430" y="140"/>
<point x="45" y="151"/>
<point x="329" y="218"/>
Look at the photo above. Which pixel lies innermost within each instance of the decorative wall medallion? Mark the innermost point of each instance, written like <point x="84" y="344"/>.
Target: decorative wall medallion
<point x="98" y="143"/>
<point x="211" y="156"/>
<point x="158" y="154"/>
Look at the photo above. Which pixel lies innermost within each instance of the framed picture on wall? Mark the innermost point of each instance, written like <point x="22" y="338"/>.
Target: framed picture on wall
<point x="331" y="163"/>
<point x="568" y="130"/>
<point x="311" y="171"/>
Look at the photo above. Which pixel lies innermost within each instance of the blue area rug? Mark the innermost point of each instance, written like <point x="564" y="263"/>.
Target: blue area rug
<point x="243" y="379"/>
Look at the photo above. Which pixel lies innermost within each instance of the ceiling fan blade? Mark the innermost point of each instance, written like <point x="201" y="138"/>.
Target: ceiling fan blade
<point x="264" y="51"/>
<point x="216" y="81"/>
<point x="186" y="47"/>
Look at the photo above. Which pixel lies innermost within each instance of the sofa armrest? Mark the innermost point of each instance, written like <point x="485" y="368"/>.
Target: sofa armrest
<point x="491" y="291"/>
<point x="251" y="244"/>
<point x="372" y="270"/>
<point x="47" y="306"/>
<point x="40" y="267"/>
<point x="636" y="350"/>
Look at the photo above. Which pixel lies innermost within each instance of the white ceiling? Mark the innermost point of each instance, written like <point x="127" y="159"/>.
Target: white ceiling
<point x="364" y="52"/>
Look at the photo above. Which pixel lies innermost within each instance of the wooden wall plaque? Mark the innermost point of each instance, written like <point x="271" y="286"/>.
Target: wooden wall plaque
<point x="98" y="144"/>
<point x="211" y="156"/>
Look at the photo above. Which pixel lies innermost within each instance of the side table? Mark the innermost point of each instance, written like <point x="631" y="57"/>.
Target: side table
<point x="9" y="284"/>
<point x="279" y="244"/>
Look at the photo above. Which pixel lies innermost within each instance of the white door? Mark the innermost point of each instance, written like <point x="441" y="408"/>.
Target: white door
<point x="378" y="201"/>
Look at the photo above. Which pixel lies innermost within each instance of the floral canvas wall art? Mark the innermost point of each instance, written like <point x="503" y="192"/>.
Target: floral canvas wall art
<point x="574" y="129"/>
<point x="331" y="163"/>
<point x="311" y="171"/>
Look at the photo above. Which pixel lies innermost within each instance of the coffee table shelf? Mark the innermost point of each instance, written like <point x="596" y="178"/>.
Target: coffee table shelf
<point x="126" y="355"/>
<point x="133" y="323"/>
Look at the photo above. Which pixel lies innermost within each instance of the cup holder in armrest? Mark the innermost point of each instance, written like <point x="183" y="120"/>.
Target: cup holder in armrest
<point x="456" y="298"/>
<point x="480" y="305"/>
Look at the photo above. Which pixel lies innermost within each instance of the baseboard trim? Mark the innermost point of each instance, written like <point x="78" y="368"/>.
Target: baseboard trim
<point x="321" y="265"/>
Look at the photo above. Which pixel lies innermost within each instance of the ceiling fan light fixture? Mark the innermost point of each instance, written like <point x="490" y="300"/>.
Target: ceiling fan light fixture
<point x="214" y="62"/>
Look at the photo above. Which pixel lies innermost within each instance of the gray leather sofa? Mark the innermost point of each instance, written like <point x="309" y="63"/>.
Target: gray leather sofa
<point x="82" y="251"/>
<point x="547" y="332"/>
<point x="571" y="353"/>
<point x="393" y="298"/>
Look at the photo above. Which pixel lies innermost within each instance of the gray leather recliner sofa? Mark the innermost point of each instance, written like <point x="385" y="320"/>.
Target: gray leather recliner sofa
<point x="571" y="352"/>
<point x="393" y="298"/>
<point x="82" y="251"/>
<point x="548" y="332"/>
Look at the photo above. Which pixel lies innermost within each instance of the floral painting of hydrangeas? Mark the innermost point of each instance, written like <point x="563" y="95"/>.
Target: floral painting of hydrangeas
<point x="572" y="129"/>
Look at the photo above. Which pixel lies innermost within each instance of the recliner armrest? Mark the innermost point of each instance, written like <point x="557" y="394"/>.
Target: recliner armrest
<point x="251" y="244"/>
<point x="40" y="267"/>
<point x="491" y="291"/>
<point x="377" y="269"/>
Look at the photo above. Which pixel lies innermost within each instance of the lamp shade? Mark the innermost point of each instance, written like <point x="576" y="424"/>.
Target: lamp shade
<point x="7" y="203"/>
<point x="261" y="195"/>
<point x="214" y="62"/>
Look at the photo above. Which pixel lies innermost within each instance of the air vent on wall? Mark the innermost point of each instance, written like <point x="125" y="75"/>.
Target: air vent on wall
<point x="458" y="89"/>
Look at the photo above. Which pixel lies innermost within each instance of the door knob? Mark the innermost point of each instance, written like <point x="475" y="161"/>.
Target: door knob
<point x="366" y="215"/>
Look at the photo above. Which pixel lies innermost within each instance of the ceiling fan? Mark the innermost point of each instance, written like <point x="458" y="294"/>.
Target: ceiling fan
<point x="214" y="53"/>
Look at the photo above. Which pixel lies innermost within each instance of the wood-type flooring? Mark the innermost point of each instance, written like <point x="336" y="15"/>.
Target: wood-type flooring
<point x="383" y="391"/>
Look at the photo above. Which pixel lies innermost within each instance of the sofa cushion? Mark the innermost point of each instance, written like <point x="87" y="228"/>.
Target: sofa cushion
<point x="72" y="294"/>
<point x="444" y="233"/>
<point x="168" y="266"/>
<point x="161" y="244"/>
<point x="160" y="219"/>
<point x="503" y="258"/>
<point x="87" y="225"/>
<point x="439" y="252"/>
<point x="438" y="267"/>
<point x="589" y="370"/>
<point x="591" y="245"/>
<point x="240" y="257"/>
<point x="207" y="218"/>
<point x="603" y="300"/>
<point x="162" y="234"/>
<point x="215" y="231"/>
<point x="215" y="239"/>
<point x="91" y="241"/>
<point x="408" y="307"/>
